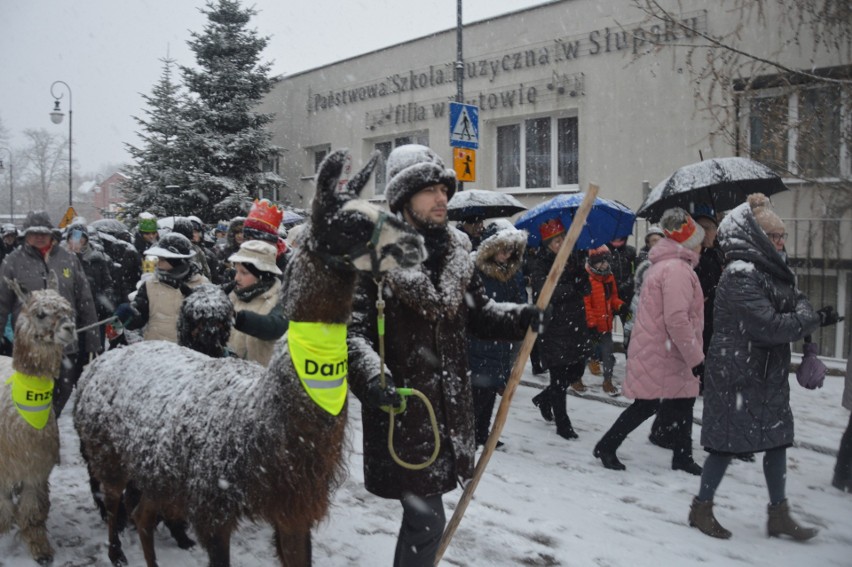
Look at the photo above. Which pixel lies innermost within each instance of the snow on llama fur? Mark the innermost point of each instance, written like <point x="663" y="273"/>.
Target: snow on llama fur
<point x="219" y="440"/>
<point x="43" y="328"/>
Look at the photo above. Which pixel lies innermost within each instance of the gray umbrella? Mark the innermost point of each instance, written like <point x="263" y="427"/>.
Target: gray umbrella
<point x="482" y="204"/>
<point x="721" y="183"/>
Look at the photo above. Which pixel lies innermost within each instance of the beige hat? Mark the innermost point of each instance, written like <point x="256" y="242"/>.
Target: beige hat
<point x="258" y="253"/>
<point x="761" y="208"/>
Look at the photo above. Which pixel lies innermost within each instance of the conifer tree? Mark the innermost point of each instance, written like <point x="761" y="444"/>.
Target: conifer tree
<point x="158" y="169"/>
<point x="226" y="140"/>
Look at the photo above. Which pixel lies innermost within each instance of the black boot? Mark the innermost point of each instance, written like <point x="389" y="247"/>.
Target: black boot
<point x="608" y="458"/>
<point x="542" y="402"/>
<point x="560" y="414"/>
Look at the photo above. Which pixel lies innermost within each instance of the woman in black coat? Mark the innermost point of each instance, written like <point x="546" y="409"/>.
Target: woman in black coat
<point x="758" y="312"/>
<point x="566" y="342"/>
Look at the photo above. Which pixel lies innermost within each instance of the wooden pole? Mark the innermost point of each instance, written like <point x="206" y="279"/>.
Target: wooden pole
<point x="518" y="369"/>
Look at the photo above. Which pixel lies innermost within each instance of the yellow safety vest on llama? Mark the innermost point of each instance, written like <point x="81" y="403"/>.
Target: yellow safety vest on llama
<point x="33" y="397"/>
<point x="321" y="359"/>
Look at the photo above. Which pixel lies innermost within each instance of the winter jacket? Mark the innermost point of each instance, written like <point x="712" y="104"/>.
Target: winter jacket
<point x="426" y="349"/>
<point x="623" y="265"/>
<point x="96" y="266"/>
<point x="638" y="278"/>
<point x="567" y="338"/>
<point x="158" y="305"/>
<point x="758" y="313"/>
<point x="666" y="344"/>
<point x="602" y="303"/>
<point x="125" y="266"/>
<point x="847" y="384"/>
<point x="27" y="266"/>
<point x="491" y="361"/>
<point x="709" y="270"/>
<point x="259" y="324"/>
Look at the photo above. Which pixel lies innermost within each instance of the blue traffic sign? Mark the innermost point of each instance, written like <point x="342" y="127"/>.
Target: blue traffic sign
<point x="464" y="126"/>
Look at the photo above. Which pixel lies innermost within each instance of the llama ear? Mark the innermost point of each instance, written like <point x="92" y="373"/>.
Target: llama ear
<point x="334" y="167"/>
<point x="16" y="287"/>
<point x="357" y="183"/>
<point x="53" y="281"/>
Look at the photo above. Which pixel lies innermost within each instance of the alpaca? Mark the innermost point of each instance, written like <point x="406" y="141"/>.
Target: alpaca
<point x="29" y="448"/>
<point x="219" y="440"/>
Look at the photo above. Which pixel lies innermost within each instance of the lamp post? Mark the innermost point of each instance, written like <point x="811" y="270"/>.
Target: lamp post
<point x="56" y="118"/>
<point x="11" y="186"/>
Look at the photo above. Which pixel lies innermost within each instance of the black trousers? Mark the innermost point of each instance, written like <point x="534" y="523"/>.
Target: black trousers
<point x="843" y="467"/>
<point x="420" y="535"/>
<point x="680" y="412"/>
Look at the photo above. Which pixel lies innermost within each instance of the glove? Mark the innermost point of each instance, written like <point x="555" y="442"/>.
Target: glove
<point x="534" y="318"/>
<point x="624" y="312"/>
<point x="378" y="396"/>
<point x="828" y="316"/>
<point x="125" y="313"/>
<point x="698" y="370"/>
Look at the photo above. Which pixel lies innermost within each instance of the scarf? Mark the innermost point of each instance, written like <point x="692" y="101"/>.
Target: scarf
<point x="262" y="285"/>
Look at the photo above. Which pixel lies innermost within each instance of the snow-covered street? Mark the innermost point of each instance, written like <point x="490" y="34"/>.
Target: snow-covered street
<point x="543" y="501"/>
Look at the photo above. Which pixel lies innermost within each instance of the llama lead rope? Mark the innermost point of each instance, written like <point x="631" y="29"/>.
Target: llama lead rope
<point x="403" y="392"/>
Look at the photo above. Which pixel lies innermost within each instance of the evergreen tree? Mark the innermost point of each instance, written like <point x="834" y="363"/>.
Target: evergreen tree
<point x="159" y="163"/>
<point x="226" y="142"/>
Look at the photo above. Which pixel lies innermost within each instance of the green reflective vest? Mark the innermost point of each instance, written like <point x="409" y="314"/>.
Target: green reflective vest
<point x="33" y="397"/>
<point x="321" y="359"/>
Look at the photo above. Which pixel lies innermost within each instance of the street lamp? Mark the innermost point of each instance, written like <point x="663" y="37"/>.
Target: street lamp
<point x="56" y="118"/>
<point x="11" y="186"/>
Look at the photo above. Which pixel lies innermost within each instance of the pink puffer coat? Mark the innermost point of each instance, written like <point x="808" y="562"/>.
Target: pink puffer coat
<point x="666" y="342"/>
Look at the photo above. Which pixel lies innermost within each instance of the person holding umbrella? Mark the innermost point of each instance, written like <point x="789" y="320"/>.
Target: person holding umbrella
<point x="759" y="311"/>
<point x="665" y="346"/>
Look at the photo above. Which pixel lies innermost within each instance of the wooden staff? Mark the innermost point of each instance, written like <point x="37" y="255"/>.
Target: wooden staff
<point x="520" y="363"/>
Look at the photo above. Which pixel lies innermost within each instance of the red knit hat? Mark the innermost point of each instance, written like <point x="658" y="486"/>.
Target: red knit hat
<point x="264" y="216"/>
<point x="680" y="227"/>
<point x="551" y="228"/>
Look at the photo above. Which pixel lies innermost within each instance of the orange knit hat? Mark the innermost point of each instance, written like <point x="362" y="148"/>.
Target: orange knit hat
<point x="551" y="228"/>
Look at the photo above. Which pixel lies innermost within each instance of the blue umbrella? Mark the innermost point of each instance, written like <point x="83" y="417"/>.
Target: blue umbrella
<point x="607" y="220"/>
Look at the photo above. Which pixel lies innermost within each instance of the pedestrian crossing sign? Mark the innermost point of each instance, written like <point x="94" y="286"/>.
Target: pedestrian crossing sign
<point x="464" y="126"/>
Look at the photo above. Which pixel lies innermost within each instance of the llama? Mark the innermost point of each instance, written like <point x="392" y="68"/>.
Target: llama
<point x="29" y="446"/>
<point x="219" y="440"/>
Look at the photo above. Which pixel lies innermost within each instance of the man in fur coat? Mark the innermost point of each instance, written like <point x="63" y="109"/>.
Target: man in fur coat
<point x="429" y="311"/>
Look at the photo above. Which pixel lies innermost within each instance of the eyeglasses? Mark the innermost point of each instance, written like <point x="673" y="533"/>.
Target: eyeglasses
<point x="777" y="237"/>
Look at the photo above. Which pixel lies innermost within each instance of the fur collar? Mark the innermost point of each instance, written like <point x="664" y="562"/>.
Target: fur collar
<point x="484" y="256"/>
<point x="414" y="287"/>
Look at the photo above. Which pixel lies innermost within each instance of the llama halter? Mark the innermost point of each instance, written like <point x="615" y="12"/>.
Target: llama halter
<point x="320" y="357"/>
<point x="33" y="397"/>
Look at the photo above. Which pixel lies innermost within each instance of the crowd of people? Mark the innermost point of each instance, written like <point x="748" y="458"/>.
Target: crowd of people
<point x="708" y="307"/>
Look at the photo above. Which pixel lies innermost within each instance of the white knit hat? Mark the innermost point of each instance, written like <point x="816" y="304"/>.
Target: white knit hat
<point x="258" y="253"/>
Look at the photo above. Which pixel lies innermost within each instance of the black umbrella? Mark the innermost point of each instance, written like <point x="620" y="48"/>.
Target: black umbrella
<point x="481" y="204"/>
<point x="721" y="183"/>
<point x="113" y="227"/>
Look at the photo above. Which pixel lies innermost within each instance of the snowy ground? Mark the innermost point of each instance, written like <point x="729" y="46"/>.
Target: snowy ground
<point x="543" y="501"/>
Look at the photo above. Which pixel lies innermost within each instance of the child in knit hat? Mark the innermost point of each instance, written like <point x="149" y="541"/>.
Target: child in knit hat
<point x="602" y="304"/>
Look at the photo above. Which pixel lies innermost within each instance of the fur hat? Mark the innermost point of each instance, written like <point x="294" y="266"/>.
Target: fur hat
<point x="38" y="222"/>
<point x="411" y="168"/>
<point x="551" y="228"/>
<point x="761" y="208"/>
<point x="677" y="225"/>
<point x="147" y="223"/>
<point x="259" y="254"/>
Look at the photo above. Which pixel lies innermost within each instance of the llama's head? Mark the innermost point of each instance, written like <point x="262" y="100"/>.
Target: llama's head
<point x="46" y="318"/>
<point x="352" y="232"/>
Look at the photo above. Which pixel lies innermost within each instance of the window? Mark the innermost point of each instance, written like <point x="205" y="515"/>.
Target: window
<point x="526" y="151"/>
<point x="385" y="148"/>
<point x="799" y="131"/>
<point x="319" y="155"/>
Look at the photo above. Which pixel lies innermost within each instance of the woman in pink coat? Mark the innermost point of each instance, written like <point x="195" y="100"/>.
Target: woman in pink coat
<point x="665" y="345"/>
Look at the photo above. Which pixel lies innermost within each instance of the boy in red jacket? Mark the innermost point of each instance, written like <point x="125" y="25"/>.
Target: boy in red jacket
<point x="602" y="304"/>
